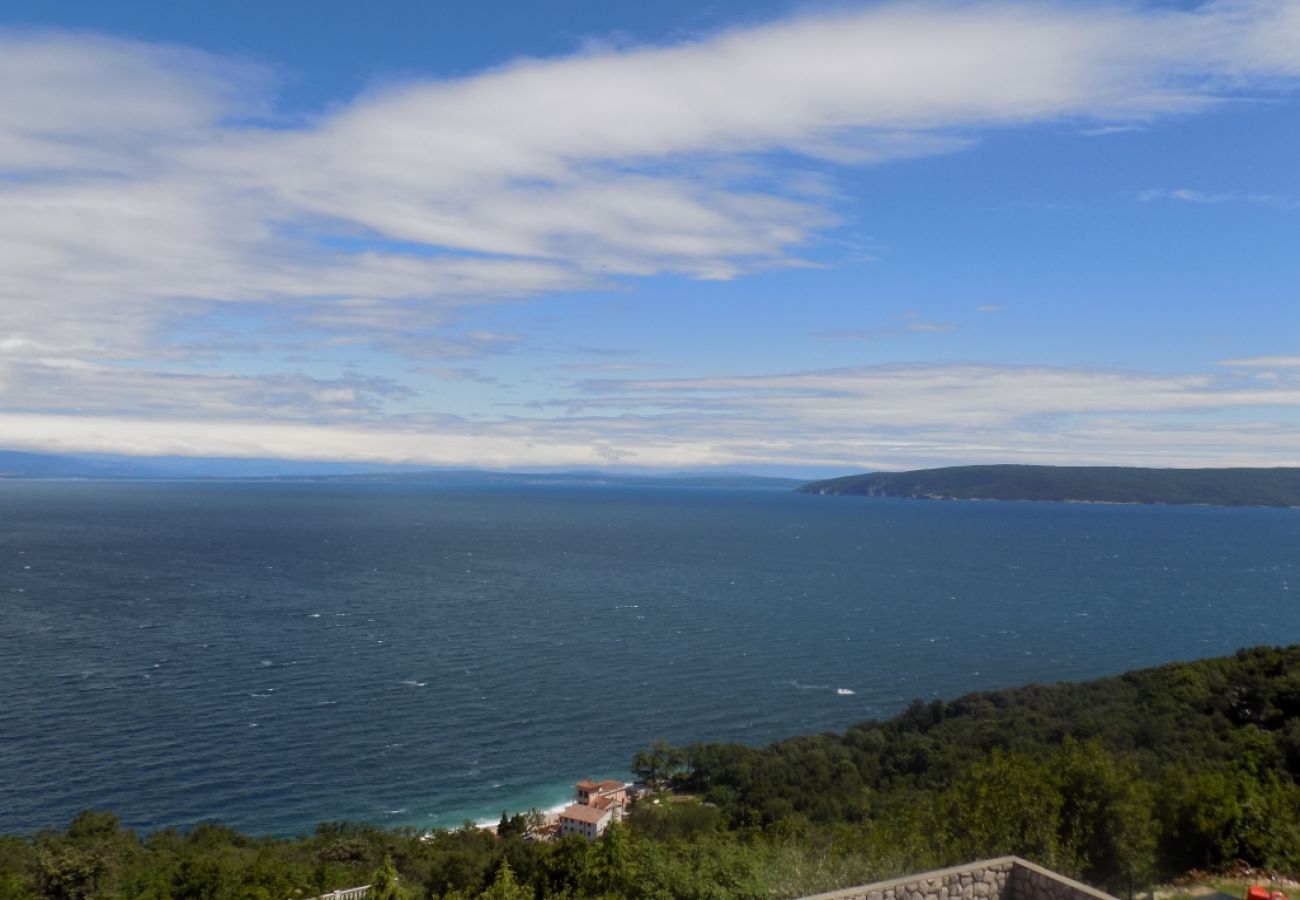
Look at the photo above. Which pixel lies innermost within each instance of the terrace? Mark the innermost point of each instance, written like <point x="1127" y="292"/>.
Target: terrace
<point x="1004" y="878"/>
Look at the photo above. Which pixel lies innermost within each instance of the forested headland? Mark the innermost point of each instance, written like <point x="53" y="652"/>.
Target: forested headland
<point x="1093" y="484"/>
<point x="1122" y="782"/>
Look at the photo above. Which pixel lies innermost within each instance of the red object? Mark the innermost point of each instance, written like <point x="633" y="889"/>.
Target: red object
<point x="1256" y="892"/>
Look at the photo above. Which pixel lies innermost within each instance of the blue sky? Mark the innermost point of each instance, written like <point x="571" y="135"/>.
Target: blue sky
<point x="763" y="236"/>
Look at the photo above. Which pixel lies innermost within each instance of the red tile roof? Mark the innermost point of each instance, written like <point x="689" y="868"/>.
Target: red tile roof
<point x="588" y="814"/>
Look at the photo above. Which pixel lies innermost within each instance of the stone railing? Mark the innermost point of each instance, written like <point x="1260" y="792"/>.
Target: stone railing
<point x="356" y="893"/>
<point x="1032" y="882"/>
<point x="1005" y="878"/>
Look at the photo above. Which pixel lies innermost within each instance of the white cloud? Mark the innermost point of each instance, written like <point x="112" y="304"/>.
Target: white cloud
<point x="87" y="103"/>
<point x="1187" y="195"/>
<point x="595" y="159"/>
<point x="1264" y="362"/>
<point x="140" y="161"/>
<point x="908" y="323"/>
<point x="855" y="418"/>
<point x="925" y="396"/>
<point x="143" y="187"/>
<point x="65" y="385"/>
<point x="923" y="327"/>
<point x="1106" y="130"/>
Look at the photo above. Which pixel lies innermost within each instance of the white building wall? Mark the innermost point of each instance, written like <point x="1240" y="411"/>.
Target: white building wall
<point x="588" y="830"/>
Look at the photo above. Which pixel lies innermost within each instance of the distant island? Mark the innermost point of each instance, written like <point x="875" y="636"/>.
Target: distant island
<point x="1080" y="484"/>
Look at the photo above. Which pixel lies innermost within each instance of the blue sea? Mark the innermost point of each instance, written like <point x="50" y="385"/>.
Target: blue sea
<point x="274" y="655"/>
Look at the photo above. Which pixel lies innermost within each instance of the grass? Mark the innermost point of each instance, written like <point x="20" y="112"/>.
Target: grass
<point x="1233" y="887"/>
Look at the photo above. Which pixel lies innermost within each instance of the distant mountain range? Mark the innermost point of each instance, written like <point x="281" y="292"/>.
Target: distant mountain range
<point x="1084" y="484"/>
<point x="1095" y="484"/>
<point x="478" y="477"/>
<point x="15" y="465"/>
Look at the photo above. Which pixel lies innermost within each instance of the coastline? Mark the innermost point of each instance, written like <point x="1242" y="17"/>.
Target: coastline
<point x="550" y="800"/>
<point x="550" y="814"/>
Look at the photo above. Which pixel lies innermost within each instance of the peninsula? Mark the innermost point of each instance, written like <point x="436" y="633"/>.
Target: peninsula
<point x="1090" y="484"/>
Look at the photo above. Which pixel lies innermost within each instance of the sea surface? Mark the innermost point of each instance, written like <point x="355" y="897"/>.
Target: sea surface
<point x="274" y="655"/>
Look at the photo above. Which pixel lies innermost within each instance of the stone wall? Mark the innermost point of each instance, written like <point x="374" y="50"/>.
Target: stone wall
<point x="1031" y="882"/>
<point x="1005" y="878"/>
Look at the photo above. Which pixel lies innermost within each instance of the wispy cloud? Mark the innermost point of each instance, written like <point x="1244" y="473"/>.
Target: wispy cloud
<point x="144" y="188"/>
<point x="457" y="373"/>
<point x="923" y="327"/>
<point x="142" y="174"/>
<point x="850" y="418"/>
<point x="1104" y="130"/>
<point x="932" y="395"/>
<point x="1264" y="362"/>
<point x="606" y="367"/>
<point x="903" y="324"/>
<point x="868" y="335"/>
<point x="68" y="386"/>
<point x="1187" y="195"/>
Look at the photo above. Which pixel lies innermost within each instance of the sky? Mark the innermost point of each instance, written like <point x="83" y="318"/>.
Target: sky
<point x="787" y="238"/>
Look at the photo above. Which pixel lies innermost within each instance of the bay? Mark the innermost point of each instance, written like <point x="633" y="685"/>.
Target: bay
<point x="273" y="655"/>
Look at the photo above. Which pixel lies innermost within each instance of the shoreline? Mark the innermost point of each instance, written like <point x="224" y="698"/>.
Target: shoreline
<point x="550" y="799"/>
<point x="550" y="814"/>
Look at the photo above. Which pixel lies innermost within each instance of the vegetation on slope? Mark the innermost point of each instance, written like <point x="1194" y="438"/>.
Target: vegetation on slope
<point x="1139" y="776"/>
<point x="1100" y="484"/>
<point x="1121" y="781"/>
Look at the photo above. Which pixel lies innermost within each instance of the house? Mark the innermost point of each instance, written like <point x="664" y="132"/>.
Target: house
<point x="612" y="791"/>
<point x="599" y="804"/>
<point x="587" y="820"/>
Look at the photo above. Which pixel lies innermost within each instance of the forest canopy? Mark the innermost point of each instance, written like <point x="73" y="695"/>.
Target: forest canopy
<point x="1121" y="782"/>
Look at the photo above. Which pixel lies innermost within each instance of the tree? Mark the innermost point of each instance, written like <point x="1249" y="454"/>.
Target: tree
<point x="1106" y="819"/>
<point x="534" y="819"/>
<point x="563" y="864"/>
<point x="200" y="877"/>
<point x="504" y="886"/>
<point x="609" y="869"/>
<point x="71" y="874"/>
<point x="92" y="824"/>
<point x="383" y="884"/>
<point x="512" y="826"/>
<point x="1004" y="804"/>
<point x="658" y="764"/>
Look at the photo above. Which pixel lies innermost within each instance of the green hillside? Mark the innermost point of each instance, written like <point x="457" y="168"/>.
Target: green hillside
<point x="1096" y="484"/>
<point x="1121" y="782"/>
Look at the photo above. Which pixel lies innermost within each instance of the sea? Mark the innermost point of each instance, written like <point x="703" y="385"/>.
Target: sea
<point x="274" y="655"/>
